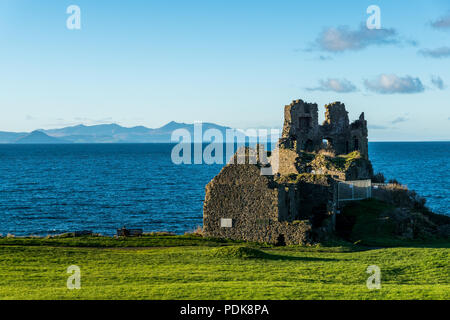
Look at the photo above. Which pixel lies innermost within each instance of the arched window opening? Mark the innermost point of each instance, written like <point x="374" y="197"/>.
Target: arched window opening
<point x="309" y="146"/>
<point x="327" y="143"/>
<point x="355" y="144"/>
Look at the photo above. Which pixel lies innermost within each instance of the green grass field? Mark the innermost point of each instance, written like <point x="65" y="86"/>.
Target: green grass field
<point x="189" y="267"/>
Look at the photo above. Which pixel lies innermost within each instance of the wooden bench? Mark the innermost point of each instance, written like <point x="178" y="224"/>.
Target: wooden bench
<point x="83" y="233"/>
<point x="129" y="232"/>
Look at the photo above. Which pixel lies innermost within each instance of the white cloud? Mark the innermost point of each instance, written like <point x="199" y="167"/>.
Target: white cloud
<point x="336" y="85"/>
<point x="343" y="38"/>
<point x="442" y="23"/>
<point x="391" y="83"/>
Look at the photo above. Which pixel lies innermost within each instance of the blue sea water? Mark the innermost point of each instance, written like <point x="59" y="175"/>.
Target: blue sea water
<point x="422" y="166"/>
<point x="51" y="189"/>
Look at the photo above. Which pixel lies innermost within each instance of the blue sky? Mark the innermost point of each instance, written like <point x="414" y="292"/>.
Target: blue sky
<point x="235" y="63"/>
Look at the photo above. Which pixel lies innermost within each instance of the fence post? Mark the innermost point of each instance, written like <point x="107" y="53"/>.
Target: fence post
<point x="353" y="191"/>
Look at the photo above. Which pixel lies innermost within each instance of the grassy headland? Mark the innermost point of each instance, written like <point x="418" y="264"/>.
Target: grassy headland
<point x="191" y="267"/>
<point x="414" y="265"/>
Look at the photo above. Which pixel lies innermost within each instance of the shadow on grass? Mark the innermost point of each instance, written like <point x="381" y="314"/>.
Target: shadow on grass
<point x="245" y="252"/>
<point x="335" y="244"/>
<point x="278" y="257"/>
<point x="375" y="244"/>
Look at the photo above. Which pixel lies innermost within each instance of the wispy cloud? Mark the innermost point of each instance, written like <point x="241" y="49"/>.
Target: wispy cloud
<point x="325" y="58"/>
<point x="438" y="82"/>
<point x="442" y="23"/>
<point x="343" y="38"/>
<point x="442" y="52"/>
<point x="399" y="120"/>
<point x="391" y="84"/>
<point x="60" y="122"/>
<point x="94" y="121"/>
<point x="29" y="118"/>
<point x="377" y="127"/>
<point x="336" y="85"/>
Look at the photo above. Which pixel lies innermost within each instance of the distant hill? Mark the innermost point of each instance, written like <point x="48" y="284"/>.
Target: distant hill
<point x="10" y="137"/>
<point x="97" y="130"/>
<point x="114" y="133"/>
<point x="39" y="137"/>
<point x="109" y="133"/>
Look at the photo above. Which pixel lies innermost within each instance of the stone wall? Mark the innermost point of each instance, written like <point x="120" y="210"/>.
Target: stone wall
<point x="361" y="169"/>
<point x="253" y="203"/>
<point x="335" y="128"/>
<point x="307" y="197"/>
<point x="301" y="126"/>
<point x="359" y="136"/>
<point x="284" y="161"/>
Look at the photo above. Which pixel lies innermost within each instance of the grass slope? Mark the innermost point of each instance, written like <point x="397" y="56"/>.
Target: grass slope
<point x="189" y="267"/>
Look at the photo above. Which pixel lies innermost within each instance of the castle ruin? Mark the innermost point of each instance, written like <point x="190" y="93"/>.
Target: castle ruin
<point x="310" y="166"/>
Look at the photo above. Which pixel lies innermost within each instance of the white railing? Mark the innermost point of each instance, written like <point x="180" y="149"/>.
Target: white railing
<point x="354" y="190"/>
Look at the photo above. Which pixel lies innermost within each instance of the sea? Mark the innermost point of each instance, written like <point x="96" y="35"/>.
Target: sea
<point x="53" y="189"/>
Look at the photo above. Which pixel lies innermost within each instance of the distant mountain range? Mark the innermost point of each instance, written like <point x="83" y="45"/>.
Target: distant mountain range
<point x="39" y="137"/>
<point x="105" y="133"/>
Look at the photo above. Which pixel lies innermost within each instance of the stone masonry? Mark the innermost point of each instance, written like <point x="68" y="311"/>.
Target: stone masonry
<point x="302" y="132"/>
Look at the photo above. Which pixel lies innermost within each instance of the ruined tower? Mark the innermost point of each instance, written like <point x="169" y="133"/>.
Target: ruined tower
<point x="302" y="132"/>
<point x="301" y="127"/>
